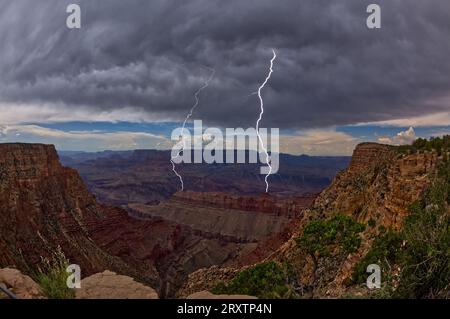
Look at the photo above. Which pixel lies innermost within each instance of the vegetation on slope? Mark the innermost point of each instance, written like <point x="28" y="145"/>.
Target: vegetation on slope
<point x="52" y="276"/>
<point x="415" y="262"/>
<point x="268" y="280"/>
<point x="321" y="237"/>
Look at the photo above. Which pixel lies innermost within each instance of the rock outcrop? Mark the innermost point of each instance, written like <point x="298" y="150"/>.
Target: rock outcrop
<point x="22" y="286"/>
<point x="44" y="205"/>
<point x="242" y="219"/>
<point x="378" y="186"/>
<point x="205" y="279"/>
<point x="105" y="285"/>
<point x="109" y="285"/>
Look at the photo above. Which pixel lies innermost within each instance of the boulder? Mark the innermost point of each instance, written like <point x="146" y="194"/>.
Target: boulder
<point x="19" y="284"/>
<point x="109" y="285"/>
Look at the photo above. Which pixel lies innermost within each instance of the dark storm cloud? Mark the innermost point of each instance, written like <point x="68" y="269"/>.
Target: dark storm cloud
<point x="151" y="56"/>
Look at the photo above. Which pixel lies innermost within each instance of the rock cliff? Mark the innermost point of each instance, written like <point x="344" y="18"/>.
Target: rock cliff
<point x="44" y="205"/>
<point x="378" y="186"/>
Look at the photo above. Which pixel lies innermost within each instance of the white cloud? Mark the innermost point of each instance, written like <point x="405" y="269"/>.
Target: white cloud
<point x="435" y="119"/>
<point x="402" y="138"/>
<point x="319" y="142"/>
<point x="80" y="140"/>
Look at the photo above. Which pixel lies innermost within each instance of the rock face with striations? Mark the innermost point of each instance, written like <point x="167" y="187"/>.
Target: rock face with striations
<point x="226" y="229"/>
<point x="379" y="185"/>
<point x="44" y="205"/>
<point x="290" y="207"/>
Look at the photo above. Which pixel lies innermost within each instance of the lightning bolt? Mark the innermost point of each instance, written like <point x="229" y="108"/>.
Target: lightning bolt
<point x="261" y="103"/>
<point x="188" y="116"/>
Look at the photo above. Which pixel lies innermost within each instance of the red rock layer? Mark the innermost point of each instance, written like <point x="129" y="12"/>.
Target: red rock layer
<point x="264" y="203"/>
<point x="44" y="205"/>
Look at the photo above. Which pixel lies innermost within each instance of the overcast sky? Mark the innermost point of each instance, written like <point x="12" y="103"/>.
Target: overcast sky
<point x="139" y="60"/>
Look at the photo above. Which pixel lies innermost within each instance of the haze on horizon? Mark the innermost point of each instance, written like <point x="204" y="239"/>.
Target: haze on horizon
<point x="127" y="77"/>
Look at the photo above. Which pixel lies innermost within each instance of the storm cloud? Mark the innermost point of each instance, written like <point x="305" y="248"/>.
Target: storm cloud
<point x="148" y="58"/>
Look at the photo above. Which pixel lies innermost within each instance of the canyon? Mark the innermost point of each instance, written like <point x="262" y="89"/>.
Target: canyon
<point x="45" y="206"/>
<point x="182" y="243"/>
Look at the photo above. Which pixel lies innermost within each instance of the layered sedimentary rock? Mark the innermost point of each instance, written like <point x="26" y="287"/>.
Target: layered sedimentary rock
<point x="229" y="229"/>
<point x="378" y="186"/>
<point x="290" y="207"/>
<point x="44" y="205"/>
<point x="244" y="218"/>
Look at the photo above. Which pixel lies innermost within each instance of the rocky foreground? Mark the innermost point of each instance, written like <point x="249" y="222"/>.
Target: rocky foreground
<point x="105" y="285"/>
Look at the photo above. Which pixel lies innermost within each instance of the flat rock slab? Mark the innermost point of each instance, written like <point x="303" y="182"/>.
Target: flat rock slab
<point x="109" y="285"/>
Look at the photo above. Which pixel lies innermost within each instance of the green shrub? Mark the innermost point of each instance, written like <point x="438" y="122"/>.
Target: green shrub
<point x="440" y="144"/>
<point x="384" y="252"/>
<point x="321" y="237"/>
<point x="268" y="280"/>
<point x="421" y="250"/>
<point x="426" y="260"/>
<point x="52" y="276"/>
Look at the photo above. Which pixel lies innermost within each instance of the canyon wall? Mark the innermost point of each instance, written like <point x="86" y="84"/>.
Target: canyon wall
<point x="378" y="186"/>
<point x="265" y="203"/>
<point x="44" y="205"/>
